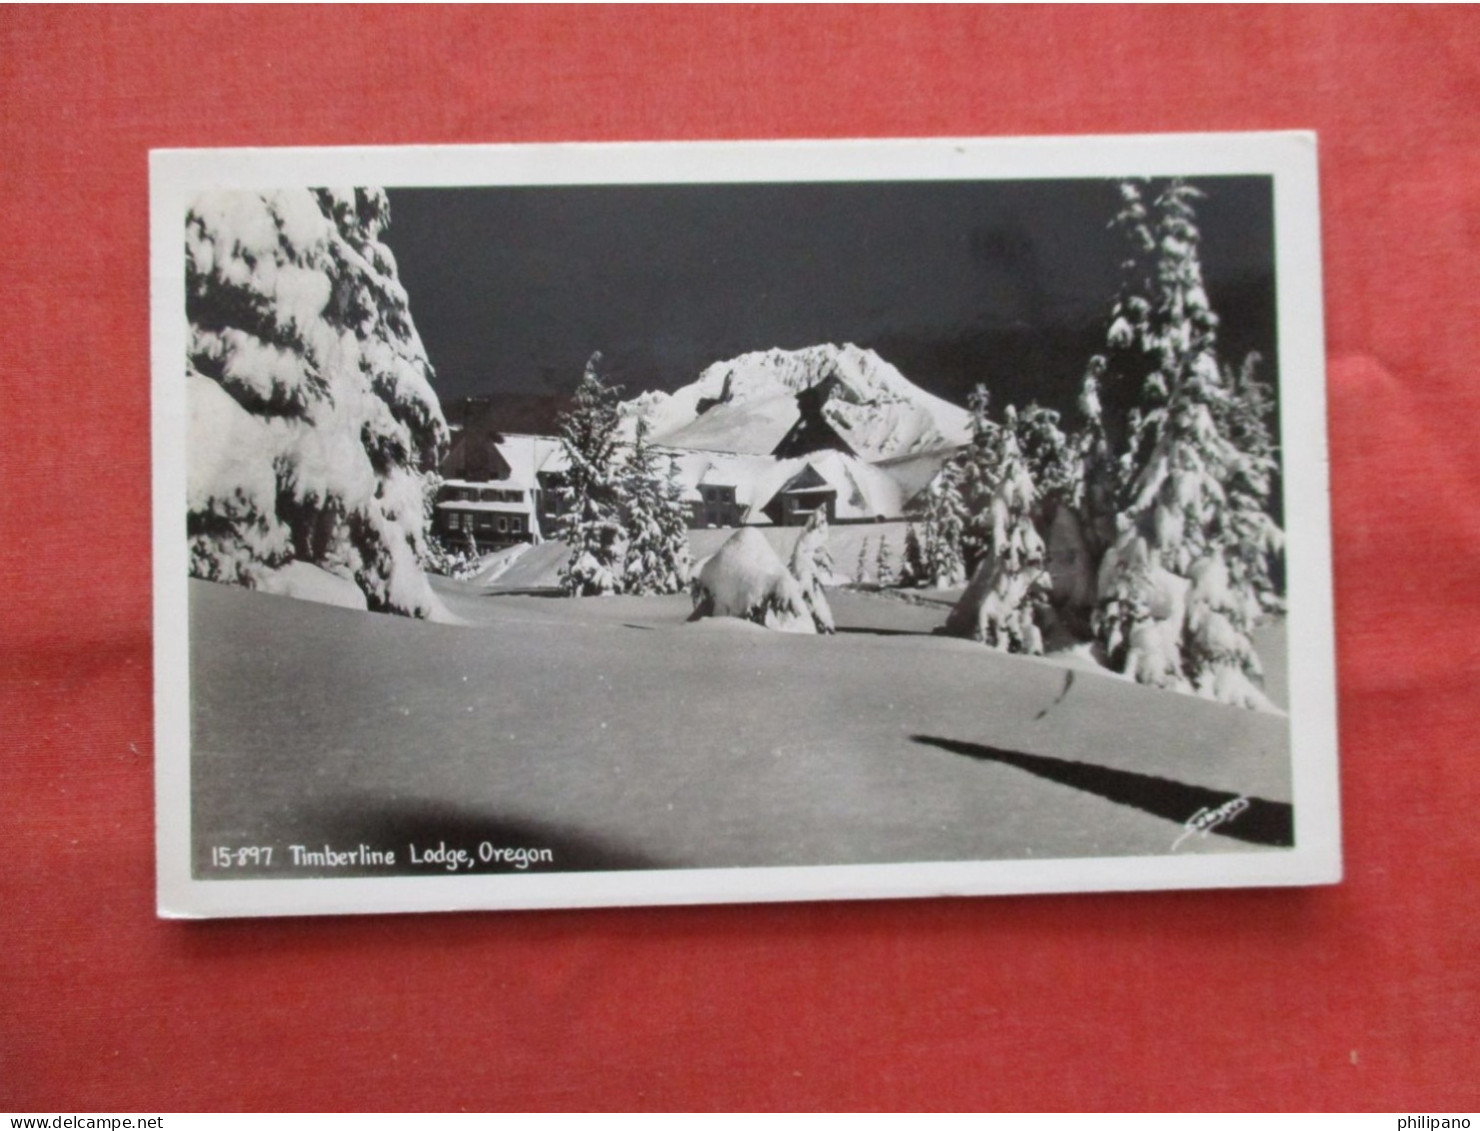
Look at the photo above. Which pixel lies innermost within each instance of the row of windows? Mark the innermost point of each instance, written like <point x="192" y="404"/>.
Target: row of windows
<point x="486" y="523"/>
<point x="485" y="494"/>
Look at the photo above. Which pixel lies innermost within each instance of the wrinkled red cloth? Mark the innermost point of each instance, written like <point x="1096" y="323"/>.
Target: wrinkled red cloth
<point x="1360" y="996"/>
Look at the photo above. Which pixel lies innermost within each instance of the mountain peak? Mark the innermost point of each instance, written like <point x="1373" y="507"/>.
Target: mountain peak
<point x="749" y="403"/>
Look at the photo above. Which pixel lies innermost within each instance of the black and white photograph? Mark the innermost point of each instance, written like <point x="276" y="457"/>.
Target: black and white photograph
<point x="669" y="523"/>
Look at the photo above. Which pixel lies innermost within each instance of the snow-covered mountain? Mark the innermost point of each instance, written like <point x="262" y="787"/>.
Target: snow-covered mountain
<point x="749" y="403"/>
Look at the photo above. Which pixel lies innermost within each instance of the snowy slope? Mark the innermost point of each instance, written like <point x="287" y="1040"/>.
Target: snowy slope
<point x="746" y="404"/>
<point x="624" y="737"/>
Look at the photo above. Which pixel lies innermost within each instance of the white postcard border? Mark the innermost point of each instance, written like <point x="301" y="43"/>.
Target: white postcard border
<point x="1290" y="158"/>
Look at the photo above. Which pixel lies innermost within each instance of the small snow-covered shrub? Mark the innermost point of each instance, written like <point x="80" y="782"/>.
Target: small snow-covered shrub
<point x="744" y="578"/>
<point x="810" y="562"/>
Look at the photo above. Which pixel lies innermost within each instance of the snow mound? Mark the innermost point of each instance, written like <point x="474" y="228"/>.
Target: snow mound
<point x="307" y="582"/>
<point x="748" y="403"/>
<point x="744" y="578"/>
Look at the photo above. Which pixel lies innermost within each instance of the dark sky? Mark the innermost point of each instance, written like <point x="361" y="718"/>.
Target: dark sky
<point x="1004" y="282"/>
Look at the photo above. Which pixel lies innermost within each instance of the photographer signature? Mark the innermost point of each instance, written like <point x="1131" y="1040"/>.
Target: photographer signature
<point x="1205" y="820"/>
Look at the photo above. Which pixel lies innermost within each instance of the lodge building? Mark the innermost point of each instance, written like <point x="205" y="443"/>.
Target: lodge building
<point x="501" y="487"/>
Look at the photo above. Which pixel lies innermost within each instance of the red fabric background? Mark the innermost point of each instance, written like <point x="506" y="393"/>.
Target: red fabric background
<point x="1365" y="995"/>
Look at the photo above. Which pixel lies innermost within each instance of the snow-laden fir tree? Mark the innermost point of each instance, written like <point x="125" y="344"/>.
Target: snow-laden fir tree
<point x="1187" y="515"/>
<point x="1160" y="319"/>
<point x="1255" y="541"/>
<point x="314" y="433"/>
<point x="945" y="518"/>
<point x="978" y="468"/>
<point x="1008" y="592"/>
<point x="1192" y="471"/>
<point x="1052" y="461"/>
<point x="655" y="517"/>
<point x="912" y="571"/>
<point x="1099" y="491"/>
<point x="861" y="571"/>
<point x="811" y="563"/>
<point x="884" y="565"/>
<point x="593" y="526"/>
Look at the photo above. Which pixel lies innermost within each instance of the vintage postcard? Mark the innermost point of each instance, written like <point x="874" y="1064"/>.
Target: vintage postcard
<point x="573" y="525"/>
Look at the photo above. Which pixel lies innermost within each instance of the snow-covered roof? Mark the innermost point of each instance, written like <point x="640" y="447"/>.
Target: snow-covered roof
<point x="750" y="427"/>
<point x="913" y="473"/>
<point x="484" y="508"/>
<point x="483" y="485"/>
<point x="717" y="477"/>
<point x="527" y="456"/>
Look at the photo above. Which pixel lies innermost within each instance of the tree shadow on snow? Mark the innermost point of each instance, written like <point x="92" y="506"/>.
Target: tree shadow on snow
<point x="1262" y="822"/>
<point x="848" y="630"/>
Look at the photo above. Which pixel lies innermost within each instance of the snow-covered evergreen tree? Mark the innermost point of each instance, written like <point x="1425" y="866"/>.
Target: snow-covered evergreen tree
<point x="1254" y="541"/>
<point x="978" y="469"/>
<point x="655" y="516"/>
<point x="912" y="572"/>
<point x="1099" y="477"/>
<point x="884" y="565"/>
<point x="1192" y="471"/>
<point x="314" y="433"/>
<point x="1003" y="602"/>
<point x="945" y="517"/>
<point x="861" y="570"/>
<point x="811" y="562"/>
<point x="593" y="527"/>
<point x="1160" y="319"/>
<point x="1051" y="460"/>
